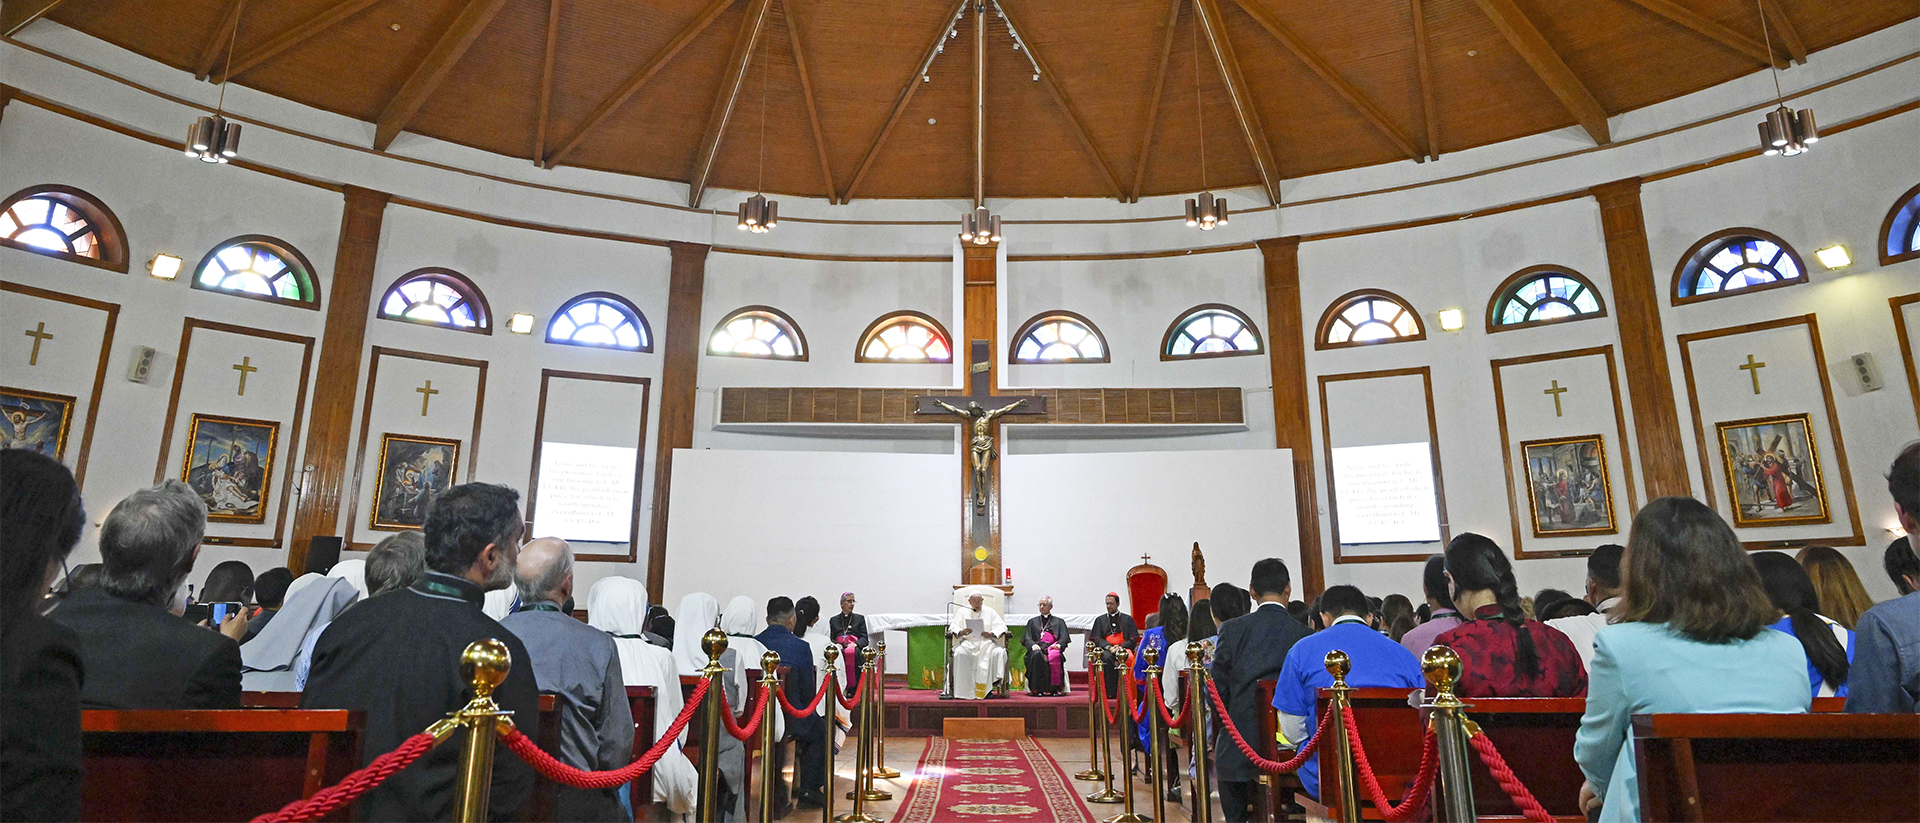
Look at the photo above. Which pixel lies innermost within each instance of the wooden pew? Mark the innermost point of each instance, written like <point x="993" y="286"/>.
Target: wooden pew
<point x="1786" y="767"/>
<point x="1278" y="790"/>
<point x="547" y="736"/>
<point x="212" y="765"/>
<point x="642" y="701"/>
<point x="696" y="730"/>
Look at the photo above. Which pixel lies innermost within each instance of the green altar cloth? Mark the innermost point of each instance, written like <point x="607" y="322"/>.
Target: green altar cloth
<point x="927" y="657"/>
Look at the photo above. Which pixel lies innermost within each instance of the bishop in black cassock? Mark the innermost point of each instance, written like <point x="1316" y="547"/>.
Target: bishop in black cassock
<point x="1040" y="679"/>
<point x="1113" y="633"/>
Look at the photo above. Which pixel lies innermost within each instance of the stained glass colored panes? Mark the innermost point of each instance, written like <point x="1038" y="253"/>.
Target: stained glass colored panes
<point x="1901" y="238"/>
<point x="1739" y="262"/>
<point x="252" y="268"/>
<point x="1371" y="319"/>
<point x="757" y="334"/>
<point x="1547" y="296"/>
<point x="906" y="339"/>
<point x="599" y="321"/>
<point x="43" y="222"/>
<point x="1212" y="331"/>
<point x="436" y="299"/>
<point x="1059" y="340"/>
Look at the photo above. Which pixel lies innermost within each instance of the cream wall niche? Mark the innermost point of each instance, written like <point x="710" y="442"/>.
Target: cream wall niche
<point x="1586" y="386"/>
<point x="70" y="364"/>
<point x="588" y="409"/>
<point x="396" y="404"/>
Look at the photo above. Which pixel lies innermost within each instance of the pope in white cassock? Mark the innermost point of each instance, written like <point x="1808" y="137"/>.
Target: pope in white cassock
<point x="979" y="648"/>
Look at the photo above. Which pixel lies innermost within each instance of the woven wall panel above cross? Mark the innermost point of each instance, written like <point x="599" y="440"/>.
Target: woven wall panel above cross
<point x="1219" y="406"/>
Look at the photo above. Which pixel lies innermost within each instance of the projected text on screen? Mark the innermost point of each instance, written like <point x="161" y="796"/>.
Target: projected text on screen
<point x="585" y="493"/>
<point x="1385" y="494"/>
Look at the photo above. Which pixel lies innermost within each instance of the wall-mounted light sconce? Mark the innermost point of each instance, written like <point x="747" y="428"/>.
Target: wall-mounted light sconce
<point x="164" y="266"/>
<point x="1834" y="257"/>
<point x="520" y="323"/>
<point x="1452" y="319"/>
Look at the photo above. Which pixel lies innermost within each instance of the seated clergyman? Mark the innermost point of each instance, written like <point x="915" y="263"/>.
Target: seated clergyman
<point x="978" y="654"/>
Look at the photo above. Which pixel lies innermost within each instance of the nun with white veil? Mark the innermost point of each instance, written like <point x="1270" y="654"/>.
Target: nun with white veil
<point x="272" y="660"/>
<point x="618" y="606"/>
<point x="352" y="571"/>
<point x="698" y="613"/>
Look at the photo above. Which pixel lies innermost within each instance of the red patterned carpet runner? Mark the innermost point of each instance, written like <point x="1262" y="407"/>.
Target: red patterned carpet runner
<point x="986" y="781"/>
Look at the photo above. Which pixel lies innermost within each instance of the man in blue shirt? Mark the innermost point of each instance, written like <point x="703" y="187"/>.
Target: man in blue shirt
<point x="1377" y="660"/>
<point x="1885" y="676"/>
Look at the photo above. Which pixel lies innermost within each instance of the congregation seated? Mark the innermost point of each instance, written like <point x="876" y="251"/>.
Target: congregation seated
<point x="617" y="606"/>
<point x="1046" y="640"/>
<point x="1603" y="593"/>
<point x="1690" y="636"/>
<point x="138" y="652"/>
<point x="41" y="518"/>
<point x="1251" y="648"/>
<point x="810" y="731"/>
<point x="396" y="563"/>
<point x="1502" y="652"/>
<point x="580" y="666"/>
<point x="1885" y="676"/>
<point x="277" y="660"/>
<point x="659" y="626"/>
<point x="698" y="613"/>
<point x="1376" y="660"/>
<point x="978" y="636"/>
<point x="1441" y="613"/>
<point x="269" y="593"/>
<point x="1167" y="638"/>
<point x="1836" y="586"/>
<point x="1828" y="645"/>
<point x="1396" y="616"/>
<point x="806" y="621"/>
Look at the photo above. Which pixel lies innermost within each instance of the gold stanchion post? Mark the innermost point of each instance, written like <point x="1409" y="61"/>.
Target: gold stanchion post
<point x="769" y="774"/>
<point x="833" y="722"/>
<point x="1103" y="737"/>
<point x="880" y="769"/>
<point x="714" y="643"/>
<point x="870" y="718"/>
<point x="1197" y="675"/>
<point x="1451" y="729"/>
<point x="485" y="664"/>
<point x="863" y="757"/>
<point x="1338" y="665"/>
<point x="1127" y="734"/>
<point x="1156" y="748"/>
<point x="1092" y="771"/>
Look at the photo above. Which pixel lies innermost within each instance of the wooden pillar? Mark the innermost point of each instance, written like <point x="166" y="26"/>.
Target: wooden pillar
<point x="980" y="317"/>
<point x="1292" y="426"/>
<point x="679" y="385"/>
<point x="1643" y="346"/>
<point x="336" y="381"/>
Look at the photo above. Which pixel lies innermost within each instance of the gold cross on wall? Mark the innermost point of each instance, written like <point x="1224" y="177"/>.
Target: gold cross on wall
<point x="38" y="333"/>
<point x="1752" y="368"/>
<point x="245" y="367"/>
<point x="1556" y="391"/>
<point x="426" y="394"/>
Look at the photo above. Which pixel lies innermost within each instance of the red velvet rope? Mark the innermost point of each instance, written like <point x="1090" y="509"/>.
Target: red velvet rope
<point x="562" y="773"/>
<point x="1416" y="797"/>
<point x="744" y="733"/>
<point x="1128" y="691"/>
<point x="1261" y="763"/>
<point x="1099" y="685"/>
<point x="1497" y="765"/>
<point x="1160" y="700"/>
<point x="818" y="695"/>
<point x="353" y="785"/>
<point x="851" y="703"/>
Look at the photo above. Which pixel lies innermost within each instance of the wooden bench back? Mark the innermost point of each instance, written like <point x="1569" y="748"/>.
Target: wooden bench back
<point x="1785" y="767"/>
<point x="211" y="765"/>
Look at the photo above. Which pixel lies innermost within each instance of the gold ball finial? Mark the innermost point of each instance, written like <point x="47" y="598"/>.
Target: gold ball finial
<point x="828" y="655"/>
<point x="869" y="654"/>
<point x="714" y="643"/>
<point x="485" y="664"/>
<point x="1194" y="653"/>
<point x="770" y="661"/>
<point x="1151" y="654"/>
<point x="1338" y="665"/>
<point x="1441" y="666"/>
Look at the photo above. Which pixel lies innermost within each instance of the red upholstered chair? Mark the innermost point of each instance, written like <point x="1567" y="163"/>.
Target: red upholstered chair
<point x="1146" y="584"/>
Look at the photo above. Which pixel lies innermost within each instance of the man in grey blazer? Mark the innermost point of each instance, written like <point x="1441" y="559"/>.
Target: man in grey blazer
<point x="1252" y="647"/>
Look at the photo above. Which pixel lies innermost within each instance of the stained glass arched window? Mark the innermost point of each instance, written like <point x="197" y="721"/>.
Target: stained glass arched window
<point x="1210" y="330"/>
<point x="259" y="267"/>
<point x="63" y="222"/>
<point x="758" y="331"/>
<point x="1367" y="317"/>
<point x="438" y="297"/>
<point x="905" y="337"/>
<point x="1538" y="295"/>
<point x="601" y="320"/>
<point x="1736" y="260"/>
<point x="1059" y="337"/>
<point x="1900" y="232"/>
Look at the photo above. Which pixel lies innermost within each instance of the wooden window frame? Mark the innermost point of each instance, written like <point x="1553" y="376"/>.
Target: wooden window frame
<point x="1909" y="204"/>
<point x="302" y="270"/>
<point x="1698" y="254"/>
<point x="547" y="376"/>
<point x="110" y="235"/>
<point x="1045" y="317"/>
<point x="1343" y="302"/>
<point x="1510" y="286"/>
<point x="1182" y="319"/>
<point x="778" y="317"/>
<point x="445" y="275"/>
<point x="639" y="319"/>
<point x="886" y="321"/>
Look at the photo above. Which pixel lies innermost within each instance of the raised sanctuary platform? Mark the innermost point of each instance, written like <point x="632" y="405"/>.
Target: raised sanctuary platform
<point x="921" y="713"/>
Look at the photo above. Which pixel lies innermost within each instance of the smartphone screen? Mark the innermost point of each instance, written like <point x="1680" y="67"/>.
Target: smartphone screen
<point x="197" y="612"/>
<point x="222" y="611"/>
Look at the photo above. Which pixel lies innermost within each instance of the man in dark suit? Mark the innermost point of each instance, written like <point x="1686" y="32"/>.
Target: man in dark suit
<point x="1113" y="634"/>
<point x="797" y="655"/>
<point x="1252" y="647"/>
<point x="847" y="627"/>
<point x="137" y="652"/>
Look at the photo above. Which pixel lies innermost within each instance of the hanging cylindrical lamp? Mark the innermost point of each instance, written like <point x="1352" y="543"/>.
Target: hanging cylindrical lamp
<point x="1207" y="212"/>
<point x="980" y="227"/>
<point x="213" y="139"/>
<point x="759" y="215"/>
<point x="1784" y="132"/>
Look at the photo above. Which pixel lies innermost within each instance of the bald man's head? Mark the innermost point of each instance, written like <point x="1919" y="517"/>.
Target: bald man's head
<point x="545" y="571"/>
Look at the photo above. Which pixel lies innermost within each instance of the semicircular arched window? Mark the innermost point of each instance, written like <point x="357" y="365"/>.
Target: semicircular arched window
<point x="438" y="297"/>
<point x="1736" y="260"/>
<point x="905" y="337"/>
<point x="64" y="222"/>
<point x="1900" y="232"/>
<point x="1368" y="317"/>
<point x="758" y="331"/>
<point x="1059" y="337"/>
<point x="601" y="320"/>
<point x="1538" y="295"/>
<point x="259" y="267"/>
<point x="1210" y="330"/>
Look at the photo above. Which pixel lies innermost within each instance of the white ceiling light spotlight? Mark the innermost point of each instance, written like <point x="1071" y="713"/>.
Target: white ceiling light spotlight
<point x="164" y="266"/>
<point x="1785" y="132"/>
<point x="1204" y="212"/>
<point x="1834" y="257"/>
<point x="758" y="214"/>
<point x="212" y="138"/>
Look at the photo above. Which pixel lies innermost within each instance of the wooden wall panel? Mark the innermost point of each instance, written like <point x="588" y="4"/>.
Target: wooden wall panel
<point x="1292" y="424"/>
<point x="679" y="382"/>
<point x="1204" y="406"/>
<point x="1643" y="345"/>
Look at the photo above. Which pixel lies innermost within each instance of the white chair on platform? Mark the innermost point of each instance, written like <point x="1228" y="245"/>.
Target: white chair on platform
<point x="991" y="599"/>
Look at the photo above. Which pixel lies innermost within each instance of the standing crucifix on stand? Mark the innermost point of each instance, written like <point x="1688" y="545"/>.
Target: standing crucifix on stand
<point x="982" y="410"/>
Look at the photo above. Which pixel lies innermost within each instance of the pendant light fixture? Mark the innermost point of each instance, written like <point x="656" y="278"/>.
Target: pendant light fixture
<point x="758" y="214"/>
<point x="1205" y="212"/>
<point x="1785" y="131"/>
<point x="980" y="227"/>
<point x="212" y="138"/>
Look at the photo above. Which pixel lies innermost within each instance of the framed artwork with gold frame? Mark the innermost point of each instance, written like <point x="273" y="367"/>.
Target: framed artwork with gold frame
<point x="229" y="462"/>
<point x="1772" y="467"/>
<point x="36" y="421"/>
<point x="412" y="471"/>
<point x="1569" y="490"/>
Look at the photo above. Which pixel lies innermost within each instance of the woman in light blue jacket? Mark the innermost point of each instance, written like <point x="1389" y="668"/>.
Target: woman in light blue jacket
<point x="1689" y="636"/>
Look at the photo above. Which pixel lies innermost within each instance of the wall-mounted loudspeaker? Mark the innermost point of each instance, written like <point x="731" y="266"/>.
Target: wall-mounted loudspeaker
<point x="1866" y="372"/>
<point x="141" y="366"/>
<point x="322" y="553"/>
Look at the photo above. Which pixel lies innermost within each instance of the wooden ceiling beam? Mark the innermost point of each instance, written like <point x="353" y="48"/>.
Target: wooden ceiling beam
<point x="426" y="77"/>
<point x="1060" y="98"/>
<point x="900" y="103"/>
<point x="1153" y="102"/>
<point x="1427" y="114"/>
<point x="806" y="93"/>
<point x="721" y="114"/>
<point x="633" y="84"/>
<point x="1547" y="63"/>
<point x="295" y="35"/>
<point x="217" y="42"/>
<point x="16" y="14"/>
<point x="1706" y="28"/>
<point x="546" y="81"/>
<point x="1371" y="113"/>
<point x="1207" y="12"/>
<point x="1789" y="34"/>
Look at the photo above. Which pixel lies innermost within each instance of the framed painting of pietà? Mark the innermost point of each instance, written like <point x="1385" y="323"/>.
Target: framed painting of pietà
<point x="1773" y="467"/>
<point x="413" y="471"/>
<point x="36" y="421"/>
<point x="230" y="463"/>
<point x="1568" y="487"/>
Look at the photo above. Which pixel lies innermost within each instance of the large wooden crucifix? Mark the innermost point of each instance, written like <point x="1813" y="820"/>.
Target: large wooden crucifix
<point x="980" y="410"/>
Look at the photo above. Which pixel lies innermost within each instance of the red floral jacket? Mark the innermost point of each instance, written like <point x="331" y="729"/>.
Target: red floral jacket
<point x="1486" y="647"/>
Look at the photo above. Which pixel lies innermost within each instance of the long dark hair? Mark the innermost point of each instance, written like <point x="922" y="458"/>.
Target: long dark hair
<point x="1201" y="626"/>
<point x="1791" y="591"/>
<point x="1476" y="563"/>
<point x="1173" y="618"/>
<point x="1434" y="580"/>
<point x="1685" y="568"/>
<point x="40" y="519"/>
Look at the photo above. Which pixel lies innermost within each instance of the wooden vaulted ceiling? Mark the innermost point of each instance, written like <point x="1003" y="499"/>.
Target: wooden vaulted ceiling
<point x="680" y="89"/>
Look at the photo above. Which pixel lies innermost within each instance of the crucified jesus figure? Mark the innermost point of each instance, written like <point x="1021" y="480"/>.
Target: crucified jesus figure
<point x="982" y="443"/>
